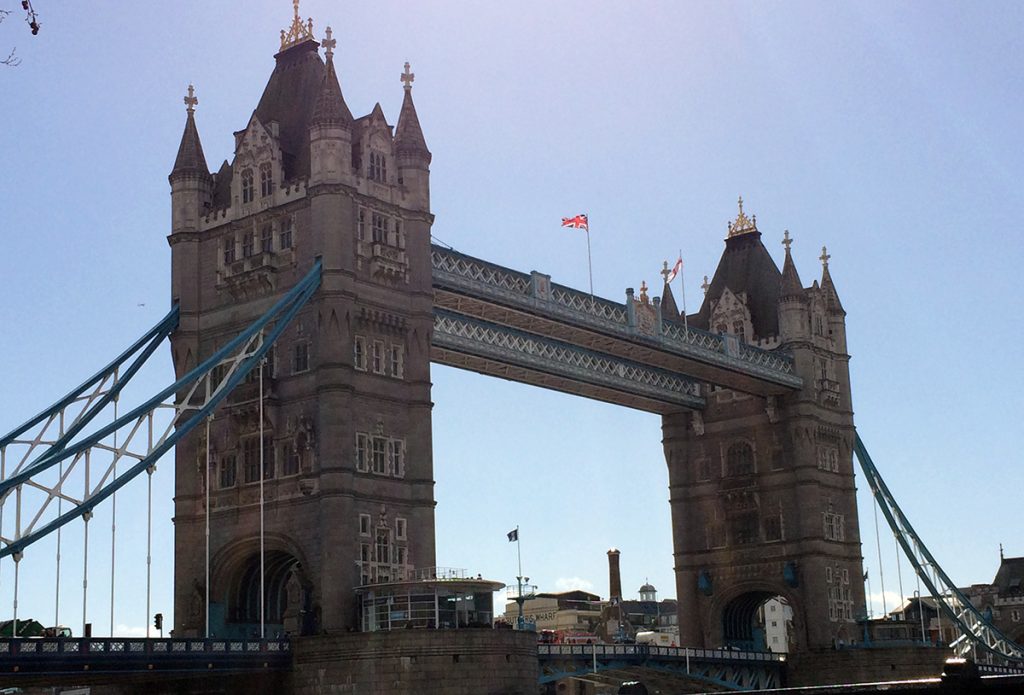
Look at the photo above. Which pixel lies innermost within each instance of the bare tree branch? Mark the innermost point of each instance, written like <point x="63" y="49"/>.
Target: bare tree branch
<point x="11" y="61"/>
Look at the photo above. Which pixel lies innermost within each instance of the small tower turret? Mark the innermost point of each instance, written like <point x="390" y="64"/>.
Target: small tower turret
<point x="411" y="150"/>
<point x="191" y="191"/>
<point x="834" y="308"/>
<point x="330" y="129"/>
<point x="792" y="302"/>
<point x="190" y="178"/>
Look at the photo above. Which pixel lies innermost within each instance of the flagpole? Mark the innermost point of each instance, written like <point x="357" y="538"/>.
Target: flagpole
<point x="590" y="267"/>
<point x="682" y="285"/>
<point x="519" y="579"/>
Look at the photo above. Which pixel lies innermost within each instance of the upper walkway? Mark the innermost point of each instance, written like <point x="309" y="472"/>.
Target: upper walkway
<point x="488" y="315"/>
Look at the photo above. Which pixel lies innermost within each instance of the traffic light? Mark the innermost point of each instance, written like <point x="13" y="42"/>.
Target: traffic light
<point x="158" y="621"/>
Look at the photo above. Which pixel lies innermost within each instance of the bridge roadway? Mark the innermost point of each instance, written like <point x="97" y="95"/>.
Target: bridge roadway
<point x="39" y="661"/>
<point x="718" y="668"/>
<point x="263" y="665"/>
<point x="521" y="326"/>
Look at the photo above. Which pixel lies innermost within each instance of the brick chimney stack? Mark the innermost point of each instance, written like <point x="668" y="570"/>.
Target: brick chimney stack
<point x="614" y="580"/>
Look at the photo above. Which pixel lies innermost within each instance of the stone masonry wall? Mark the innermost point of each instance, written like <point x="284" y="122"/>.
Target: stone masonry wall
<point x="417" y="662"/>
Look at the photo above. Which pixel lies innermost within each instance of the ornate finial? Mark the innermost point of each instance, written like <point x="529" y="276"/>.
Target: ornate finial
<point x="297" y="32"/>
<point x="191" y="100"/>
<point x="743" y="224"/>
<point x="328" y="43"/>
<point x="1001" y="552"/>
<point x="786" y="241"/>
<point x="706" y="285"/>
<point x="643" y="291"/>
<point x="407" y="78"/>
<point x="665" y="272"/>
<point x="824" y="257"/>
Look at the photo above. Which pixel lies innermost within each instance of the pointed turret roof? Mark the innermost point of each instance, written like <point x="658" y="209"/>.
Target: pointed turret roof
<point x="331" y="108"/>
<point x="190" y="159"/>
<point x="408" y="134"/>
<point x="746" y="267"/>
<point x="827" y="286"/>
<point x="669" y="310"/>
<point x="791" y="285"/>
<point x="290" y="98"/>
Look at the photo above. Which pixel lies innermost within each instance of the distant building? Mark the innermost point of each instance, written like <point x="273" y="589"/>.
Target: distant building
<point x="1002" y="601"/>
<point x="776" y="616"/>
<point x="570" y="611"/>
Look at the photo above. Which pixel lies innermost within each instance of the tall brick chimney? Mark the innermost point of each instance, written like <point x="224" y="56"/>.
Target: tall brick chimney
<point x="614" y="580"/>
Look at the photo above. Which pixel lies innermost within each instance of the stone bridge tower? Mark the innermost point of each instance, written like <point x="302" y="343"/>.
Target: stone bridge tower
<point x="346" y="426"/>
<point x="762" y="489"/>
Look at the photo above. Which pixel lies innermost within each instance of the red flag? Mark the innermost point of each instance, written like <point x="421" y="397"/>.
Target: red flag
<point x="577" y="222"/>
<point x="675" y="271"/>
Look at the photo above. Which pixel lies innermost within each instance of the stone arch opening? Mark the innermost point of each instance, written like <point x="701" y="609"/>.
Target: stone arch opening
<point x="287" y="594"/>
<point x="759" y="621"/>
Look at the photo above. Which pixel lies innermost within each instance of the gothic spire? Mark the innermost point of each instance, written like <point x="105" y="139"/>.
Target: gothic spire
<point x="791" y="285"/>
<point x="190" y="159"/>
<point x="331" y="108"/>
<point x="827" y="286"/>
<point x="408" y="134"/>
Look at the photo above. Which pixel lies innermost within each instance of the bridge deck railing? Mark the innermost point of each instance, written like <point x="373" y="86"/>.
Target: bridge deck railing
<point x="643" y="651"/>
<point x="91" y="646"/>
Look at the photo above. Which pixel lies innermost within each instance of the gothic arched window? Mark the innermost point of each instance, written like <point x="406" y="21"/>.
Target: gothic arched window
<point x="248" y="192"/>
<point x="739" y="459"/>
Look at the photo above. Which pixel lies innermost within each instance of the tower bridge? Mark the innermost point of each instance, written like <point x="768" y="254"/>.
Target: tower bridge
<point x="309" y="304"/>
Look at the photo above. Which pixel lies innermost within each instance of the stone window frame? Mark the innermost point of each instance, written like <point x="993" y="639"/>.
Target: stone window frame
<point x="379" y="227"/>
<point x="361" y="224"/>
<point x="362" y="452"/>
<point x="250" y="459"/>
<point x="266" y="179"/>
<point x="728" y="447"/>
<point x="266" y="240"/>
<point x="377" y="357"/>
<point x="401" y="529"/>
<point x="228" y="473"/>
<point x="365" y="525"/>
<point x="833" y="526"/>
<point x="377" y="167"/>
<point x="229" y="249"/>
<point x="379" y="456"/>
<point x="248" y="185"/>
<point x="359" y="353"/>
<point x="396" y="360"/>
<point x="248" y="243"/>
<point x="291" y="460"/>
<point x="396" y="457"/>
<point x="286" y="233"/>
<point x="300" y="357"/>
<point x="828" y="458"/>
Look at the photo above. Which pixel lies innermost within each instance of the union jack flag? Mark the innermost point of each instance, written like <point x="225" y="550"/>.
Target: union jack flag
<point x="577" y="222"/>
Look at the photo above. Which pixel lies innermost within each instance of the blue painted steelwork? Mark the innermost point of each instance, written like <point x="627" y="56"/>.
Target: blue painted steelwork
<point x="151" y="340"/>
<point x="975" y="631"/>
<point x="473" y="277"/>
<point x="280" y="314"/>
<point x="521" y="349"/>
<point x="735" y="670"/>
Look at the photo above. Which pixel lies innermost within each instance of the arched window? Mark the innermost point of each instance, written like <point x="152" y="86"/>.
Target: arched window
<point x="266" y="179"/>
<point x="248" y="192"/>
<point x="739" y="459"/>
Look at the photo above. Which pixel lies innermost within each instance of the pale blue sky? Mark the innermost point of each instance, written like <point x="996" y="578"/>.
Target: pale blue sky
<point x="889" y="133"/>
